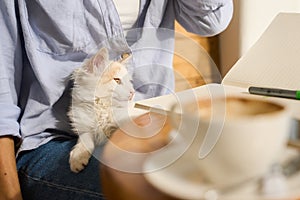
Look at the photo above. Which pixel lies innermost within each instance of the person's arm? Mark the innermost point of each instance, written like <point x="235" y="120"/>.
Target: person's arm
<point x="9" y="182"/>
<point x="10" y="82"/>
<point x="204" y="17"/>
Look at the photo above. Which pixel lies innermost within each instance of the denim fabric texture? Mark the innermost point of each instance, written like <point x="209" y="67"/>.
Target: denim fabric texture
<point x="45" y="174"/>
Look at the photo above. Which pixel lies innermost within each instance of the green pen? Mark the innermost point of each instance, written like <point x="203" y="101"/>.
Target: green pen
<point x="275" y="92"/>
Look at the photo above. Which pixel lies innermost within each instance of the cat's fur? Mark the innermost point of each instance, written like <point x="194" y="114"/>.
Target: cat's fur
<point x="100" y="88"/>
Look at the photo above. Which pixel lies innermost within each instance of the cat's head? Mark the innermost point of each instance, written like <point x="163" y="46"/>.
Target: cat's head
<point x="109" y="78"/>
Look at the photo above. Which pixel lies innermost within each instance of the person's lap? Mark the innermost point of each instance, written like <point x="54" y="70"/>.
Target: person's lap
<point x="45" y="173"/>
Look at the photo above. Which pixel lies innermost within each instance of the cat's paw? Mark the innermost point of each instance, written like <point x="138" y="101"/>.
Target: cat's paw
<point x="79" y="158"/>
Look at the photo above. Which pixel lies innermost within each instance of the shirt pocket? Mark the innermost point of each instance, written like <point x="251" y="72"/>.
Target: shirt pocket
<point x="58" y="27"/>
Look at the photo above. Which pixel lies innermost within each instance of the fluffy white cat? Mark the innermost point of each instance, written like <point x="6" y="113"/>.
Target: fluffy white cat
<point x="102" y="88"/>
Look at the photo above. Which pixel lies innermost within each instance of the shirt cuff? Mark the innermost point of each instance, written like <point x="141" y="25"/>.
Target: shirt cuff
<point x="9" y="124"/>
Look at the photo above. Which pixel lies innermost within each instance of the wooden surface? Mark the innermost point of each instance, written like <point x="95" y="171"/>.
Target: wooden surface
<point x="191" y="52"/>
<point x="121" y="185"/>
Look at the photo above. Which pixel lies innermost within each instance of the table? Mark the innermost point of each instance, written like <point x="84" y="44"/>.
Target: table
<point x="121" y="173"/>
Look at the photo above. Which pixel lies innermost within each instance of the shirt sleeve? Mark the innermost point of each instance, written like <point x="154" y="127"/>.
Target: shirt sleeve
<point x="204" y="17"/>
<point x="10" y="69"/>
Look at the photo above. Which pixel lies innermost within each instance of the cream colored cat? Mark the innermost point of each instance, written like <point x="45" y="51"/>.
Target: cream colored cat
<point x="102" y="88"/>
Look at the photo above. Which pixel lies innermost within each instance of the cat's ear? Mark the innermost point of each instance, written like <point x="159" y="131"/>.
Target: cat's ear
<point x="99" y="61"/>
<point x="101" y="57"/>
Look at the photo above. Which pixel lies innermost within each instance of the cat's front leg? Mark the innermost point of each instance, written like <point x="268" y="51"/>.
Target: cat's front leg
<point x="81" y="152"/>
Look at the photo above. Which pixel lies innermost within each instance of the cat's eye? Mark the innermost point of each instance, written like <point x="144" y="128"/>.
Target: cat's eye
<point x="118" y="80"/>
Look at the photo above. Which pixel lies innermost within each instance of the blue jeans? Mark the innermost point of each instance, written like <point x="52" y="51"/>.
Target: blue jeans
<point x="45" y="173"/>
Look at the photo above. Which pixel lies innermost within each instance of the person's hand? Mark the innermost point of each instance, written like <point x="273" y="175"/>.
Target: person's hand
<point x="9" y="182"/>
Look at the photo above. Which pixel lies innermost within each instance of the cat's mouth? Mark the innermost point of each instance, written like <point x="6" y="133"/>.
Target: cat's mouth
<point x="131" y="95"/>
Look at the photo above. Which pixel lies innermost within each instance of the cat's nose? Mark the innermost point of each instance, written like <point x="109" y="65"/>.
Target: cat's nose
<point x="131" y="94"/>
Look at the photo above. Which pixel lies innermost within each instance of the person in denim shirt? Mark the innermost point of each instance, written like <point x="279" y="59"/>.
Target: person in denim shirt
<point x="41" y="43"/>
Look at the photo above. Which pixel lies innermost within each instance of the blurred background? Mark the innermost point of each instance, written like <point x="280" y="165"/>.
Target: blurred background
<point x="200" y="60"/>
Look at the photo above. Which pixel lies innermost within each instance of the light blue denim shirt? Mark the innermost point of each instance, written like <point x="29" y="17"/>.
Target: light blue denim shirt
<point x="43" y="41"/>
